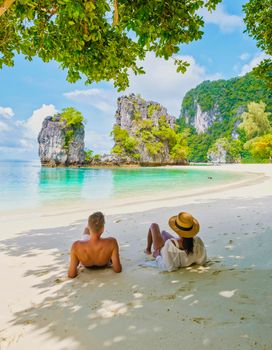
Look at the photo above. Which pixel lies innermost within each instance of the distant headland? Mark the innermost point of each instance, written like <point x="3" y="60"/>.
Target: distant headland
<point x="224" y="121"/>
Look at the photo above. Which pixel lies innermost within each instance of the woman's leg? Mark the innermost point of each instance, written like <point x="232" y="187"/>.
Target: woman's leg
<point x="149" y="242"/>
<point x="154" y="237"/>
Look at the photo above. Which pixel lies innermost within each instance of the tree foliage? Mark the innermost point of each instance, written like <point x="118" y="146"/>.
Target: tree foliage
<point x="226" y="97"/>
<point x="180" y="149"/>
<point x="82" y="36"/>
<point x="152" y="137"/>
<point x="71" y="120"/>
<point x="71" y="117"/>
<point x="88" y="154"/>
<point x="261" y="147"/>
<point x="226" y="100"/>
<point x="232" y="148"/>
<point x="255" y="121"/>
<point x="259" y="26"/>
<point x="125" y="144"/>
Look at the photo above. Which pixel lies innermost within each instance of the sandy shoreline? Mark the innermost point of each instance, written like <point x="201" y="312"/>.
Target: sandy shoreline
<point x="224" y="305"/>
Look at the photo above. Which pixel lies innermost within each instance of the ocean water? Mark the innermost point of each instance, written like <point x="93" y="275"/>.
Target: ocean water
<point x="25" y="184"/>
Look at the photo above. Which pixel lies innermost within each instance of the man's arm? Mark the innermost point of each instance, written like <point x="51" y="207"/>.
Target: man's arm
<point x="72" y="272"/>
<point x="116" y="264"/>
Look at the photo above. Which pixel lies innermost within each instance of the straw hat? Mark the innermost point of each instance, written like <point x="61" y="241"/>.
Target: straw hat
<point x="184" y="224"/>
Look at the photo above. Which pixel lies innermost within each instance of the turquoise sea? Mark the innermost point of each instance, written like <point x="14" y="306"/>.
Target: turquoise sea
<point x="26" y="184"/>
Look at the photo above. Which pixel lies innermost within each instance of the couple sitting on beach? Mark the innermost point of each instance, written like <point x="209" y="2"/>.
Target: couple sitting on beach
<point x="170" y="252"/>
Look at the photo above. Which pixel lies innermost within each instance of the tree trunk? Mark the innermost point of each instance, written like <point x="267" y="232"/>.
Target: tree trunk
<point x="6" y="5"/>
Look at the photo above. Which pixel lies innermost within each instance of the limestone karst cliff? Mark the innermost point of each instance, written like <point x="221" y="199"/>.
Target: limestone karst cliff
<point x="145" y="133"/>
<point x="202" y="119"/>
<point x="219" y="104"/>
<point x="60" y="144"/>
<point x="213" y="111"/>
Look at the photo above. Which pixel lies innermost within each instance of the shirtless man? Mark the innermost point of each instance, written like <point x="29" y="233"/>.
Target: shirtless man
<point x="95" y="251"/>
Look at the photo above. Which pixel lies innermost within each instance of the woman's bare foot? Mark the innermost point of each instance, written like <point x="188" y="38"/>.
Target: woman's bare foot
<point x="147" y="251"/>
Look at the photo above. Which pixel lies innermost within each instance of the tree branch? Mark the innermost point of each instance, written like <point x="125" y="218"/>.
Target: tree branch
<point x="50" y="11"/>
<point x="6" y="5"/>
<point x="116" y="15"/>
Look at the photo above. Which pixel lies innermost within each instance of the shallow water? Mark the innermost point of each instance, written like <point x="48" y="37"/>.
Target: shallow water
<point x="24" y="184"/>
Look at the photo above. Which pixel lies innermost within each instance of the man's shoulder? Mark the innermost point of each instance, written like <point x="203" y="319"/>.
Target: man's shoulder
<point x="77" y="244"/>
<point x="111" y="240"/>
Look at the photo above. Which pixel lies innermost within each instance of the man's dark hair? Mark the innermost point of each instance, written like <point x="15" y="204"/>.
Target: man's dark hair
<point x="96" y="221"/>
<point x="188" y="245"/>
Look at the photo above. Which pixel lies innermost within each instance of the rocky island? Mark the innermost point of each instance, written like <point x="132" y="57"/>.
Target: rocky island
<point x="61" y="139"/>
<point x="144" y="134"/>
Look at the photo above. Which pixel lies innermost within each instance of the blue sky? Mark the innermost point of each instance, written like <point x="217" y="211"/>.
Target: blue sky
<point x="29" y="91"/>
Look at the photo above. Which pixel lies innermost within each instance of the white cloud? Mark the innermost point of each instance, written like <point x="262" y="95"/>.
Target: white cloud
<point x="10" y="134"/>
<point x="226" y="22"/>
<point x="98" y="142"/>
<point x="33" y="125"/>
<point x="6" y="112"/>
<point x="3" y="126"/>
<point x="19" y="138"/>
<point x="244" y="56"/>
<point x="253" y="63"/>
<point x="163" y="84"/>
<point x="100" y="99"/>
<point x="102" y="103"/>
<point x="25" y="143"/>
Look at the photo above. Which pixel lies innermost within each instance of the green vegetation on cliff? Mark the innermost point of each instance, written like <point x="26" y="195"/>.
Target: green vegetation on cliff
<point x="150" y="134"/>
<point x="124" y="144"/>
<point x="152" y="138"/>
<point x="225" y="101"/>
<point x="226" y="97"/>
<point x="72" y="120"/>
<point x="256" y="133"/>
<point x="71" y="117"/>
<point x="255" y="122"/>
<point x="261" y="147"/>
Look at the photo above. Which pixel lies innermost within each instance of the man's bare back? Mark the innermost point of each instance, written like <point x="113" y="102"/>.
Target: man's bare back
<point x="94" y="252"/>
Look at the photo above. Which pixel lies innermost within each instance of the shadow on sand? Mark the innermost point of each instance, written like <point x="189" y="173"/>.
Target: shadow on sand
<point x="142" y="308"/>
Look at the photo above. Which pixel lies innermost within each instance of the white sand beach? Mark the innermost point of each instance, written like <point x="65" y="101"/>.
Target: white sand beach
<point x="226" y="304"/>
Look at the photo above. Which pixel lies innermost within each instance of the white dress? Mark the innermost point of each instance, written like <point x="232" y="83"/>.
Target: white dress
<point x="171" y="257"/>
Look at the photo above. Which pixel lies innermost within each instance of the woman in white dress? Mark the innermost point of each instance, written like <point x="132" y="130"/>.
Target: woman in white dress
<point x="172" y="252"/>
